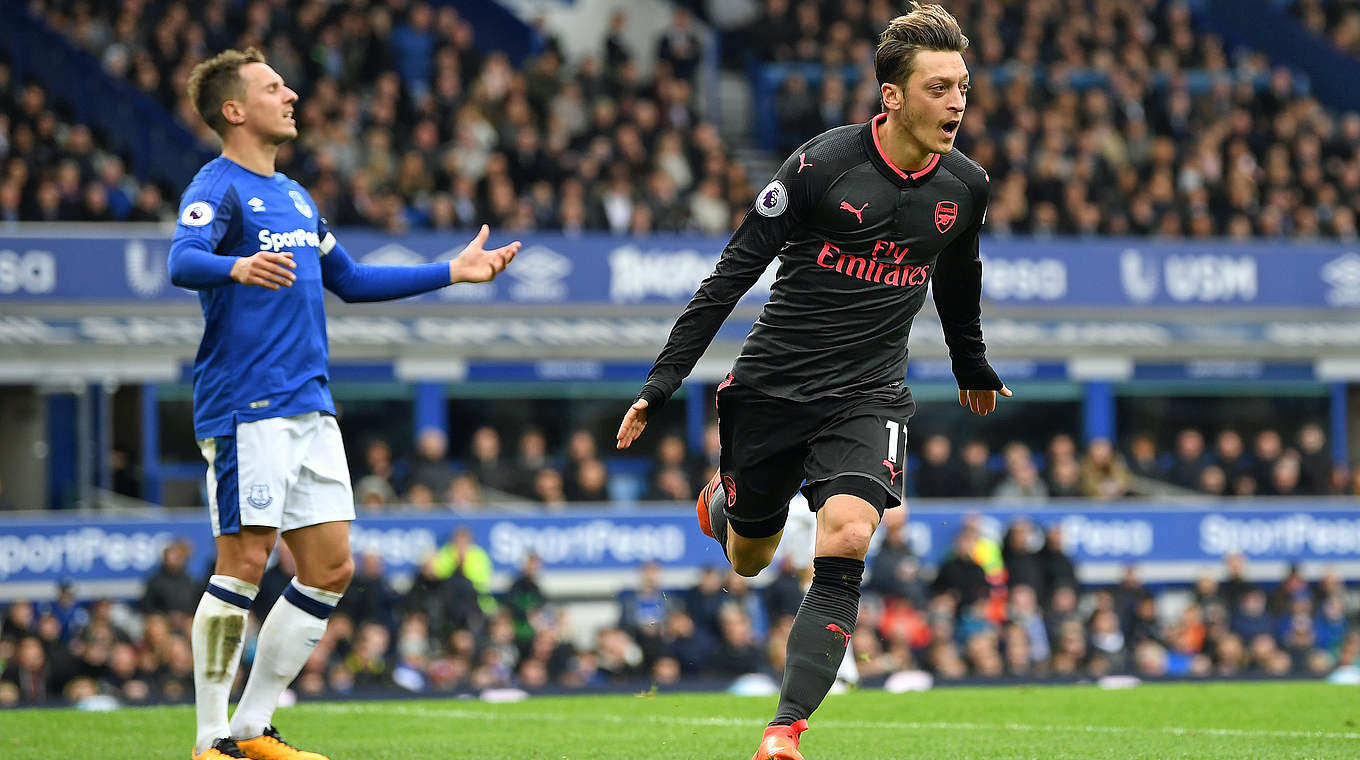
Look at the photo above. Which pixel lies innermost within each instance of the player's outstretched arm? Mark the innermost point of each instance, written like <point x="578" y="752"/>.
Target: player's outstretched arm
<point x="982" y="403"/>
<point x="365" y="282"/>
<point x="477" y="264"/>
<point x="633" y="423"/>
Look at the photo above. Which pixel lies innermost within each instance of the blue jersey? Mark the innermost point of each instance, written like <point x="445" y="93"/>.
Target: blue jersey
<point x="264" y="352"/>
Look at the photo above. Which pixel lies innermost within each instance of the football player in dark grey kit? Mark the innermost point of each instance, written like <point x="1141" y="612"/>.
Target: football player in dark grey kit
<point x="863" y="219"/>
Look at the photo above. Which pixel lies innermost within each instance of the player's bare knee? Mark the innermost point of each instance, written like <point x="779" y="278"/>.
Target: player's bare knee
<point x="847" y="539"/>
<point x="333" y="575"/>
<point x="749" y="566"/>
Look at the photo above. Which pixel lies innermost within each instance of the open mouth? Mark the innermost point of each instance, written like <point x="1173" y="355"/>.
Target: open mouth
<point x="951" y="127"/>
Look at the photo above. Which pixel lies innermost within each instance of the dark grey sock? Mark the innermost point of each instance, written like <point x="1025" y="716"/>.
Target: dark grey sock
<point x="821" y="631"/>
<point x="717" y="518"/>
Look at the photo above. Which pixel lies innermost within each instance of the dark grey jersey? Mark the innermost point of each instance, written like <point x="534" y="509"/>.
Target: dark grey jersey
<point x="859" y="241"/>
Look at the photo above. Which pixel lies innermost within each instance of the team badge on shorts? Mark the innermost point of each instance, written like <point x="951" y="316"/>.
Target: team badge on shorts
<point x="945" y="214"/>
<point x="730" y="486"/>
<point x="259" y="497"/>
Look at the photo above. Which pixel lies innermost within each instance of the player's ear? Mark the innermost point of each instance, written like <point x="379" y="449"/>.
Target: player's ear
<point x="234" y="112"/>
<point x="891" y="95"/>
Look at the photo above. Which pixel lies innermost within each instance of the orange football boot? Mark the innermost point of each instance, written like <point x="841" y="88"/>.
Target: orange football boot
<point x="781" y="742"/>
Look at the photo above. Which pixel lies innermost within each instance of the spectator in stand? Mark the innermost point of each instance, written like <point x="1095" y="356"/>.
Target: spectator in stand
<point x="549" y="489"/>
<point x="1268" y="448"/>
<point x="525" y="598"/>
<point x="960" y="576"/>
<point x="463" y="557"/>
<point x="1230" y="455"/>
<point x="1315" y="465"/>
<point x="642" y="611"/>
<point x="532" y="457"/>
<point x="1190" y="459"/>
<point x="1020" y="553"/>
<point x="580" y="448"/>
<point x="591" y="483"/>
<point x="370" y="595"/>
<point x="1059" y="571"/>
<point x="1143" y="458"/>
<point x="171" y="590"/>
<point x="894" y="568"/>
<point x="1022" y="484"/>
<point x="486" y="464"/>
<point x="979" y="480"/>
<point x="704" y="600"/>
<point x="940" y="475"/>
<point x="430" y="469"/>
<point x="377" y="487"/>
<point x="1103" y="474"/>
<point x="670" y="484"/>
<point x="29" y="674"/>
<point x="739" y="649"/>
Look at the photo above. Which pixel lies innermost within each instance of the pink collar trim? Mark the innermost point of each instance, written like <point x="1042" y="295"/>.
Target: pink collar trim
<point x="934" y="157"/>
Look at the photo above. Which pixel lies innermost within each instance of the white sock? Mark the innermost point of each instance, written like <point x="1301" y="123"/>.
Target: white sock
<point x="287" y="638"/>
<point x="219" y="627"/>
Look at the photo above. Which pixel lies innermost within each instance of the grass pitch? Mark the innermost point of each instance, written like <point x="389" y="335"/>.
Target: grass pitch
<point x="1218" y="720"/>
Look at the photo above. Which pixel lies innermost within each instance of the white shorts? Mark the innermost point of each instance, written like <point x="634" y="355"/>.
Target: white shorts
<point x="800" y="534"/>
<point x="279" y="472"/>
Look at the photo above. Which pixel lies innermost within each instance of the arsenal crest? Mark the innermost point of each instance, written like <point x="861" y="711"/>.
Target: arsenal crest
<point x="945" y="214"/>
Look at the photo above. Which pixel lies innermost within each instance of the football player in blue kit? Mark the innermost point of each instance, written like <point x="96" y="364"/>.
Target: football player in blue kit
<point x="253" y="244"/>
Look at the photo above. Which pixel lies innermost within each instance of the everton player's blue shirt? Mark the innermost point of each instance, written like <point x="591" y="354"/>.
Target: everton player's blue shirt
<point x="264" y="352"/>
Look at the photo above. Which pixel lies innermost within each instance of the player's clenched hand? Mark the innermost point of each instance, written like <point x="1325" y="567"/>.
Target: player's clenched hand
<point x="982" y="402"/>
<point x="476" y="264"/>
<point x="633" y="423"/>
<point x="268" y="269"/>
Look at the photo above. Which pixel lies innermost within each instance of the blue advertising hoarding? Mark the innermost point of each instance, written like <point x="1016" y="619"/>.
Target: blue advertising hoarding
<point x="596" y="270"/>
<point x="49" y="549"/>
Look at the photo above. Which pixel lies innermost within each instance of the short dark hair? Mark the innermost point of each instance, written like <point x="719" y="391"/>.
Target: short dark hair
<point x="217" y="80"/>
<point x="924" y="27"/>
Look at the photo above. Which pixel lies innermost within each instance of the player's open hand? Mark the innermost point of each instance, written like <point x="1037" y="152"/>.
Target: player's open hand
<point x="267" y="269"/>
<point x="633" y="423"/>
<point x="477" y="264"/>
<point x="982" y="403"/>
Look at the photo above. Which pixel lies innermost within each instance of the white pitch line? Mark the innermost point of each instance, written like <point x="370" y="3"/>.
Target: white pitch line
<point x="430" y="712"/>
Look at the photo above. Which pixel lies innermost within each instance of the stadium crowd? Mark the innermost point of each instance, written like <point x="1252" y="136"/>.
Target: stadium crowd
<point x="993" y="609"/>
<point x="1092" y="116"/>
<point x="405" y="125"/>
<point x="53" y="170"/>
<point x="939" y="467"/>
<point x="1337" y="21"/>
<point x="1096" y="117"/>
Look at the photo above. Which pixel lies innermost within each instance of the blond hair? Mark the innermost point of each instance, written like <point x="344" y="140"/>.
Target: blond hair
<point x="217" y="80"/>
<point x="923" y="27"/>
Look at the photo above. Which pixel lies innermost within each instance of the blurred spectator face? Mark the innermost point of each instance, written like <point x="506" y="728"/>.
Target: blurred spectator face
<point x="1189" y="445"/>
<point x="1212" y="480"/>
<point x="592" y="476"/>
<point x="1311" y="439"/>
<point x="420" y="496"/>
<point x="671" y="451"/>
<point x="372" y="566"/>
<point x="432" y="444"/>
<point x="486" y="444"/>
<point x="533" y="446"/>
<point x="1229" y="445"/>
<point x="1062" y="447"/>
<point x="936" y="450"/>
<point x="548" y="487"/>
<point x="975" y="454"/>
<point x="581" y="446"/>
<point x="1101" y="452"/>
<point x="378" y="456"/>
<point x="1143" y="448"/>
<point x="673" y="484"/>
<point x="464" y="491"/>
<point x="1285" y="474"/>
<point x="1268" y="445"/>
